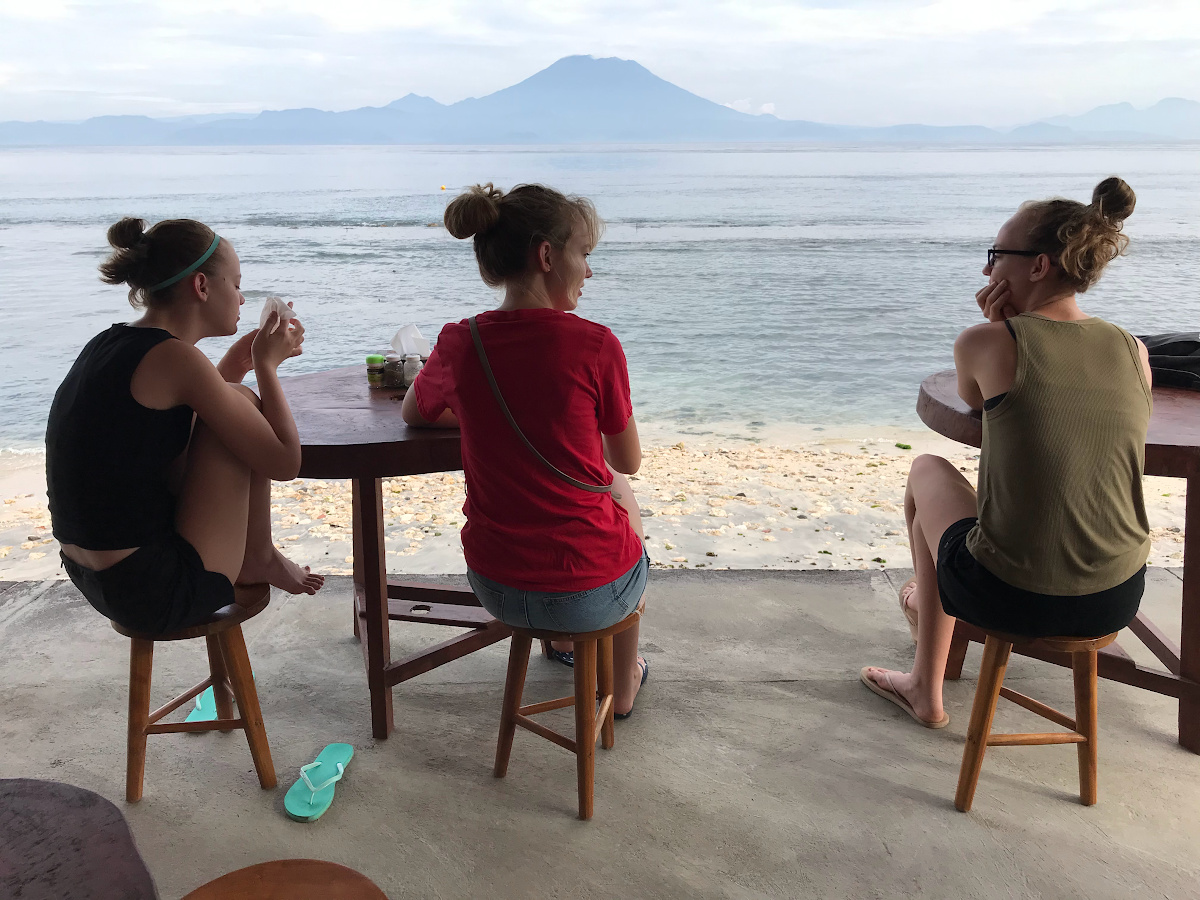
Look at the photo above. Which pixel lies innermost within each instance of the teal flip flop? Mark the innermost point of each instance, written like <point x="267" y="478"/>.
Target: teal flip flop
<point x="205" y="709"/>
<point x="308" y="798"/>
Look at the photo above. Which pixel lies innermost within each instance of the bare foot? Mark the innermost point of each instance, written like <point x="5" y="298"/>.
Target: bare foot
<point x="906" y="596"/>
<point x="908" y="605"/>
<point x="903" y="685"/>
<point x="622" y="703"/>
<point x="279" y="571"/>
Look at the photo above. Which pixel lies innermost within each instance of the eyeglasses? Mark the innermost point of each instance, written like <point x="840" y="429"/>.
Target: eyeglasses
<point x="993" y="253"/>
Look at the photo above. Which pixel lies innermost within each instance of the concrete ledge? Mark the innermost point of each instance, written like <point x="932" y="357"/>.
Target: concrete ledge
<point x="755" y="764"/>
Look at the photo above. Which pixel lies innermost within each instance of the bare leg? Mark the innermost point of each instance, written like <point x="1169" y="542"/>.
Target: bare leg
<point x="627" y="674"/>
<point x="224" y="512"/>
<point x="937" y="496"/>
<point x="263" y="563"/>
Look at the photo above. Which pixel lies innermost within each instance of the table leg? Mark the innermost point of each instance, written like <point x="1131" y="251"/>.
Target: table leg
<point x="368" y="522"/>
<point x="356" y="548"/>
<point x="1189" y="640"/>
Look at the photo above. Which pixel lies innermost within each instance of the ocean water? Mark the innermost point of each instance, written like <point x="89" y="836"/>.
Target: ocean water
<point x="765" y="284"/>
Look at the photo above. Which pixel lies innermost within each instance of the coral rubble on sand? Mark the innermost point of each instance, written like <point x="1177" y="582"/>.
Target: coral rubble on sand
<point x="828" y="503"/>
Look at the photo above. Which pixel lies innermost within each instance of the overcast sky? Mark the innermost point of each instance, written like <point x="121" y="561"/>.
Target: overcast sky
<point x="868" y="62"/>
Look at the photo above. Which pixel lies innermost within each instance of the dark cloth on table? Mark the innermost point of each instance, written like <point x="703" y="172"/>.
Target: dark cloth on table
<point x="107" y="456"/>
<point x="972" y="593"/>
<point x="1174" y="358"/>
<point x="160" y="587"/>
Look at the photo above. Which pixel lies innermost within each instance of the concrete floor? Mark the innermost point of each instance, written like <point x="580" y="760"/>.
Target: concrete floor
<point x="755" y="764"/>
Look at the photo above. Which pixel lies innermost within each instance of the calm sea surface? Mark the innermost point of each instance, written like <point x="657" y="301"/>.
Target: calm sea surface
<point x="768" y="285"/>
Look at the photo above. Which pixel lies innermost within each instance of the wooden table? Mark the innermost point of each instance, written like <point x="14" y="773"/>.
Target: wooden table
<point x="60" y="841"/>
<point x="1172" y="449"/>
<point x="350" y="431"/>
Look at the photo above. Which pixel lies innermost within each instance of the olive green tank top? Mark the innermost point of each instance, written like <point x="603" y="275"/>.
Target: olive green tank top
<point x="1060" y="474"/>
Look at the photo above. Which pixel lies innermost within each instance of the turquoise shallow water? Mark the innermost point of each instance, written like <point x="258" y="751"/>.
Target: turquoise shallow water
<point x="748" y="284"/>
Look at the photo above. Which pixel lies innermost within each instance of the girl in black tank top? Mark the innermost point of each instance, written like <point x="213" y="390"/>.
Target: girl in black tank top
<point x="158" y="464"/>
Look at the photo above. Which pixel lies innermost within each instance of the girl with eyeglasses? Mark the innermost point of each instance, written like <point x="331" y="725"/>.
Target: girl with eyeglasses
<point x="1055" y="539"/>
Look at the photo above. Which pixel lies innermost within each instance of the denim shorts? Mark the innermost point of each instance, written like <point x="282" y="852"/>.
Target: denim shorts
<point x="573" y="613"/>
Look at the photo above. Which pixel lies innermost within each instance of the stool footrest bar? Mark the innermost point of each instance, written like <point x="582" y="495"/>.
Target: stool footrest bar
<point x="1030" y="740"/>
<point x="542" y="731"/>
<point x="184" y="727"/>
<point x="534" y="708"/>
<point x="602" y="714"/>
<point x="183" y="698"/>
<point x="1041" y="709"/>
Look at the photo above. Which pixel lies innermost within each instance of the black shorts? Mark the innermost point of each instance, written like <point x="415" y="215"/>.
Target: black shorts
<point x="160" y="587"/>
<point x="972" y="593"/>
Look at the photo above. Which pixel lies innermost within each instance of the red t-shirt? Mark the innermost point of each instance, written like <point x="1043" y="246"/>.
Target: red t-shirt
<point x="565" y="381"/>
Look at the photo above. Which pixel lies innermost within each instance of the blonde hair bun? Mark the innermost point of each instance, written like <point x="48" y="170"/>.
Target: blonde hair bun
<point x="474" y="212"/>
<point x="1082" y="238"/>
<point x="1114" y="200"/>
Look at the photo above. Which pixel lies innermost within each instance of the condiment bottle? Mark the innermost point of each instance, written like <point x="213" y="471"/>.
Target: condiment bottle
<point x="412" y="365"/>
<point x="393" y="373"/>
<point x="375" y="368"/>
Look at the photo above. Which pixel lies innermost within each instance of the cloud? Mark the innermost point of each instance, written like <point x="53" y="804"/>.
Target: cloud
<point x="853" y="61"/>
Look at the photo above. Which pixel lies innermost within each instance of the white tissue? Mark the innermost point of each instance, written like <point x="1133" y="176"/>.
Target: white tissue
<point x="408" y="340"/>
<point x="274" y="304"/>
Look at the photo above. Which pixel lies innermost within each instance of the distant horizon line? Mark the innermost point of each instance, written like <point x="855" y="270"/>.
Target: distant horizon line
<point x="236" y="114"/>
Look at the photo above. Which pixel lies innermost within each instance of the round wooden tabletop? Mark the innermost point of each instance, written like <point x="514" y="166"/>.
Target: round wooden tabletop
<point x="290" y="879"/>
<point x="1172" y="442"/>
<point x="348" y="430"/>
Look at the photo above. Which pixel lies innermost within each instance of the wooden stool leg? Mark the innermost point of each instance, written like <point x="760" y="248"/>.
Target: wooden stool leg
<point x="987" y="693"/>
<point x="1083" y="666"/>
<point x="546" y="649"/>
<point x="604" y="678"/>
<point x="141" y="663"/>
<point x="241" y="677"/>
<point x="220" y="677"/>
<point x="585" y="724"/>
<point x="957" y="656"/>
<point x="514" y="687"/>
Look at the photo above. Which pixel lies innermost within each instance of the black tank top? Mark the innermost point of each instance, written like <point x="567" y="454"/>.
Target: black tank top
<point x="107" y="456"/>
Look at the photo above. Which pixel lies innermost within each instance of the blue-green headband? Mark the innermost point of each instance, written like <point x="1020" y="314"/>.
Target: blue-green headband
<point x="190" y="269"/>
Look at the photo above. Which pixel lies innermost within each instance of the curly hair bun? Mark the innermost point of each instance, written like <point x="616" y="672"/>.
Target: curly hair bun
<point x="127" y="234"/>
<point x="1114" y="200"/>
<point x="474" y="212"/>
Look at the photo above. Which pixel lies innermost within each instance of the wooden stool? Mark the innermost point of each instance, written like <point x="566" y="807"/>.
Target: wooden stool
<point x="290" y="879"/>
<point x="996" y="650"/>
<point x="229" y="667"/>
<point x="593" y="665"/>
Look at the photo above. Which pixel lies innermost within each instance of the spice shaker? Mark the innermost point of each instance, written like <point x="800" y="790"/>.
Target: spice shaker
<point x="393" y="372"/>
<point x="375" y="369"/>
<point x="412" y="365"/>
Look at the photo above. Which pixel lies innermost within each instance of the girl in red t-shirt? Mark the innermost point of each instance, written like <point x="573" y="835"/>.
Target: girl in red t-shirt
<point x="542" y="552"/>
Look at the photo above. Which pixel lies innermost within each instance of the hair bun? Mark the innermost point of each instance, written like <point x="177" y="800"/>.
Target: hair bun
<point x="474" y="212"/>
<point x="1113" y="200"/>
<point x="128" y="233"/>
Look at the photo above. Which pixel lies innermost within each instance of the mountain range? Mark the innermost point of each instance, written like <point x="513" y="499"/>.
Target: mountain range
<point x="580" y="99"/>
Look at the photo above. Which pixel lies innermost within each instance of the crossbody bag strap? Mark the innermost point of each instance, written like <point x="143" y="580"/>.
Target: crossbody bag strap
<point x="487" y="371"/>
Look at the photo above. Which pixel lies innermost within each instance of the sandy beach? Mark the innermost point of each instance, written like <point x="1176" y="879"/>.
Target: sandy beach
<point x="723" y="499"/>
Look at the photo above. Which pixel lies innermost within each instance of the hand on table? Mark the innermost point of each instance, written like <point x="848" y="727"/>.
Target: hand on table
<point x="995" y="301"/>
